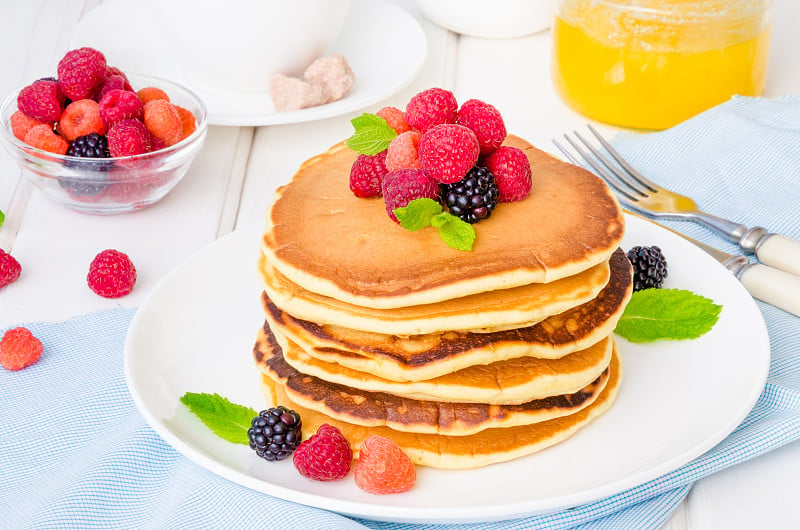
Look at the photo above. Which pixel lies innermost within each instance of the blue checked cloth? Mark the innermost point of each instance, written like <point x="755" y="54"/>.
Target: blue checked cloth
<point x="75" y="453"/>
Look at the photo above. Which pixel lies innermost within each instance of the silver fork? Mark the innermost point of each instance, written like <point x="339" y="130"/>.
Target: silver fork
<point x="642" y="195"/>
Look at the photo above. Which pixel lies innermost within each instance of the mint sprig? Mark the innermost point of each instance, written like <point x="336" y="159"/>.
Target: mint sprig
<point x="372" y="134"/>
<point x="228" y="420"/>
<point x="656" y="314"/>
<point x="2" y="217"/>
<point x="424" y="212"/>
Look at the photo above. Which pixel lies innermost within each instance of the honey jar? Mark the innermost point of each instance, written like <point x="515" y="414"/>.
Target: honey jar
<point x="650" y="64"/>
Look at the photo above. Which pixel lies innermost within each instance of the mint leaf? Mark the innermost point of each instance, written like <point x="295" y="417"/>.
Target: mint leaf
<point x="372" y="134"/>
<point x="458" y="234"/>
<point x="654" y="314"/>
<point x="2" y="217"/>
<point x="228" y="420"/>
<point x="417" y="214"/>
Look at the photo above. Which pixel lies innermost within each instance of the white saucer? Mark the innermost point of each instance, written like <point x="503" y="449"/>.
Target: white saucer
<point x="384" y="45"/>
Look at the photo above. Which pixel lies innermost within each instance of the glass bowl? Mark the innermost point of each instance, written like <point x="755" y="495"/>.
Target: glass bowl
<point x="110" y="185"/>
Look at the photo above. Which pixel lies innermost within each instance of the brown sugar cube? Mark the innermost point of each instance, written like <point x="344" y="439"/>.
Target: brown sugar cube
<point x="333" y="73"/>
<point x="291" y="93"/>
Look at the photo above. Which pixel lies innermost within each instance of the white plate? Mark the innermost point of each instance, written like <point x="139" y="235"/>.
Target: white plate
<point x="384" y="45"/>
<point x="678" y="398"/>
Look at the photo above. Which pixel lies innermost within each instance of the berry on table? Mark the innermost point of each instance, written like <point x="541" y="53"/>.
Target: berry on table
<point x="396" y="119"/>
<point x="447" y="152"/>
<point x="383" y="467"/>
<point x="81" y="72"/>
<point x="128" y="137"/>
<point x="81" y="118"/>
<point x="325" y="456"/>
<point x="649" y="267"/>
<point x="403" y="151"/>
<point x="111" y="274"/>
<point x="366" y="175"/>
<point x="404" y="185"/>
<point x="42" y="137"/>
<point x="512" y="172"/>
<point x="42" y="100"/>
<point x="472" y="198"/>
<point x="485" y="121"/>
<point x="118" y="105"/>
<point x="19" y="349"/>
<point x="10" y="268"/>
<point x="275" y="433"/>
<point x="431" y="107"/>
<point x="163" y="121"/>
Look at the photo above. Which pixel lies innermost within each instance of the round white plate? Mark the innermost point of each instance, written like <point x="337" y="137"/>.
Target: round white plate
<point x="196" y="330"/>
<point x="384" y="45"/>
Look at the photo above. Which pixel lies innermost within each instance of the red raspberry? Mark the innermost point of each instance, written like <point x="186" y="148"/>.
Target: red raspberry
<point x="118" y="105"/>
<point x="112" y="82"/>
<point x="395" y="118"/>
<point x="81" y="72"/>
<point x="113" y="70"/>
<point x="10" y="268"/>
<point x="404" y="185"/>
<point x="366" y="175"/>
<point x="485" y="121"/>
<point x="434" y="106"/>
<point x="19" y="348"/>
<point x="80" y="118"/>
<point x="111" y="274"/>
<point x="128" y="137"/>
<point x="42" y="137"/>
<point x="325" y="456"/>
<point x="42" y="100"/>
<point x="403" y="151"/>
<point x="512" y="173"/>
<point x="383" y="467"/>
<point x="447" y="152"/>
<point x="21" y="124"/>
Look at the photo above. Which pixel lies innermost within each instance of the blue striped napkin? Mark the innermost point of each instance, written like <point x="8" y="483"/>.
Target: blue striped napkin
<point x="75" y="453"/>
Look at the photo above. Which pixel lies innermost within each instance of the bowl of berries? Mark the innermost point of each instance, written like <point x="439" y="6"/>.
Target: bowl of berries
<point x="101" y="141"/>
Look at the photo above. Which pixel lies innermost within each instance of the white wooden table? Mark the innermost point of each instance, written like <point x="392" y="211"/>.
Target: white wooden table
<point x="233" y="179"/>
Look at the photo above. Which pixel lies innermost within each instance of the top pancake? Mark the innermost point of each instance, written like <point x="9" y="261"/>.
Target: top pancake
<point x="328" y="241"/>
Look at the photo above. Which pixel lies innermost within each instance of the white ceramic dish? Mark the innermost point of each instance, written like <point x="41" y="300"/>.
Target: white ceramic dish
<point x="384" y="45"/>
<point x="500" y="19"/>
<point x="677" y="400"/>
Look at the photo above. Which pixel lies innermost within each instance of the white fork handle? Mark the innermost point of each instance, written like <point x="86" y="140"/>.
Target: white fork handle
<point x="780" y="252"/>
<point x="772" y="286"/>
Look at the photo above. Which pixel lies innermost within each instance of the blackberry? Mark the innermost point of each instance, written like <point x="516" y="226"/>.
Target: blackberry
<point x="92" y="145"/>
<point x="472" y="198"/>
<point x="649" y="267"/>
<point x="275" y="433"/>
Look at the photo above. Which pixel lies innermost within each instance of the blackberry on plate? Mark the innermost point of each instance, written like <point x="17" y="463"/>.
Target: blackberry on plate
<point x="94" y="146"/>
<point x="275" y="433"/>
<point x="472" y="198"/>
<point x="649" y="267"/>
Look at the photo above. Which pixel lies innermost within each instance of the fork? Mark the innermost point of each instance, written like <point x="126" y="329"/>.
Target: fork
<point x="642" y="195"/>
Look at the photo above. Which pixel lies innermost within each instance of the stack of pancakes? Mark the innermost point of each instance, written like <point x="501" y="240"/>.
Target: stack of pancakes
<point x="462" y="358"/>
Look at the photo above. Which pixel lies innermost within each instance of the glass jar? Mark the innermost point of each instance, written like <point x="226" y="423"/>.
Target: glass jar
<point x="650" y="64"/>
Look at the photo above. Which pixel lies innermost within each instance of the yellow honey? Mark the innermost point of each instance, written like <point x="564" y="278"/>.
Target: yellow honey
<point x="650" y="64"/>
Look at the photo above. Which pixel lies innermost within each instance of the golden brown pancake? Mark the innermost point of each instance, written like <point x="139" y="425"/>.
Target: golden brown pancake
<point x="420" y="357"/>
<point x="462" y="452"/>
<point x="373" y="409"/>
<point x="485" y="311"/>
<point x="569" y="222"/>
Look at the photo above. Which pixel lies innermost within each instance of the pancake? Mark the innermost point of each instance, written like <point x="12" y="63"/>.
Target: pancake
<point x="420" y="357"/>
<point x="376" y="263"/>
<point x="373" y="409"/>
<point x="462" y="452"/>
<point x="512" y="381"/>
<point x="486" y="311"/>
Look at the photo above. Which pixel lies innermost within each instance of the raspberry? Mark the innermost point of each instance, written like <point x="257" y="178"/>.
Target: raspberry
<point x="112" y="82"/>
<point x="447" y="152"/>
<point x="19" y="349"/>
<point x="403" y="151"/>
<point x="485" y="121"/>
<point x="188" y="122"/>
<point x="431" y="107"/>
<point x="21" y="124"/>
<point x="649" y="267"/>
<point x="80" y="118"/>
<point x="156" y="143"/>
<point x="81" y="72"/>
<point x="151" y="93"/>
<point x="404" y="185"/>
<point x="118" y="105"/>
<point x="366" y="175"/>
<point x="395" y="118"/>
<point x="128" y="137"/>
<point x="42" y="137"/>
<point x="512" y="172"/>
<point x="113" y="70"/>
<point x="111" y="274"/>
<point x="10" y="268"/>
<point x="42" y="100"/>
<point x="275" y="433"/>
<point x="383" y="467"/>
<point x="162" y="120"/>
<point x="325" y="456"/>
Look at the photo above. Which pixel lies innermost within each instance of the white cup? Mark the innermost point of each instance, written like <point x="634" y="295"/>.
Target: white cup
<point x="236" y="45"/>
